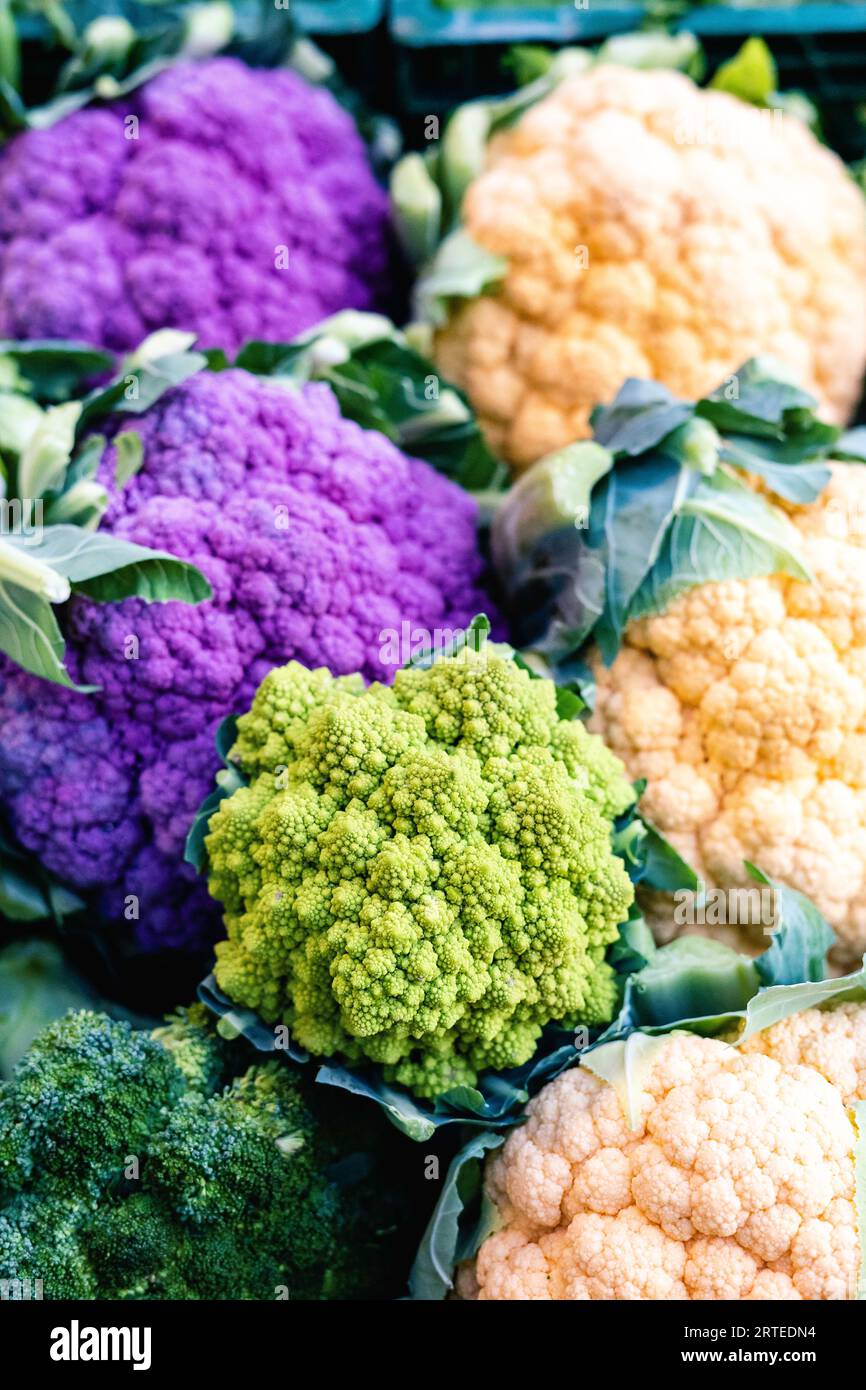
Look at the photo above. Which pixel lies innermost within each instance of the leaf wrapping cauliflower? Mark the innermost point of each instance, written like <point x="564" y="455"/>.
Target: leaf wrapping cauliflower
<point x="655" y="230"/>
<point x="737" y="1182"/>
<point x="419" y="876"/>
<point x="744" y="707"/>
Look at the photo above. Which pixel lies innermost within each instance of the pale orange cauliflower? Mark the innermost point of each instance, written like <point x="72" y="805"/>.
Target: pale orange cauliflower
<point x="744" y="707"/>
<point x="654" y="229"/>
<point x="832" y="1041"/>
<point x="737" y="1183"/>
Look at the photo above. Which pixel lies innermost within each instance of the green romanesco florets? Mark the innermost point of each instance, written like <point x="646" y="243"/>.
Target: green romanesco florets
<point x="168" y="1165"/>
<point x="419" y="876"/>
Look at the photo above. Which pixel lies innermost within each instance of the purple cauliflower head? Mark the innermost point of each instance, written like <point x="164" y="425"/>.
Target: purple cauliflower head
<point x="322" y="542"/>
<point x="224" y="201"/>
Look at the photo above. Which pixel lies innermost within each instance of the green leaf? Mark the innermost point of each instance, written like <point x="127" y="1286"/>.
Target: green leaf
<point x="710" y="989"/>
<point x="851" y="444"/>
<point x="723" y="530"/>
<point x="641" y="415"/>
<point x="625" y="1065"/>
<point x="539" y="543"/>
<point x="443" y="1244"/>
<point x="750" y="75"/>
<point x="654" y="49"/>
<point x="796" y="482"/>
<point x="21" y="564"/>
<point x="83" y="505"/>
<point x="227" y="781"/>
<point x="668" y="513"/>
<point x="142" y="381"/>
<point x="463" y="154"/>
<point x="416" y="203"/>
<point x="635" y="946"/>
<point x="56" y="370"/>
<point x="782" y="1001"/>
<point x="48" y="452"/>
<point x="552" y="496"/>
<point x="755" y="400"/>
<point x="629" y="522"/>
<point x="405" y="1114"/>
<point x="799" y="946"/>
<point x="28" y="893"/>
<point x="30" y="636"/>
<point x="36" y="987"/>
<point x="112" y="53"/>
<point x="108" y="569"/>
<point x="527" y="62"/>
<point x="664" y="868"/>
<point x="684" y="976"/>
<point x="460" y="269"/>
<point x="20" y="418"/>
<point x="473" y="636"/>
<point x="129" y="456"/>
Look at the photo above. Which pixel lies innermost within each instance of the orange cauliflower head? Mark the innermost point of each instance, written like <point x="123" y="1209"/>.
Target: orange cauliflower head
<point x="736" y="1183"/>
<point x="654" y="229"/>
<point x="744" y="707"/>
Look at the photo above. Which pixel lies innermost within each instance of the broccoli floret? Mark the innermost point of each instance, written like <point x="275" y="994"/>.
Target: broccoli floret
<point x="181" y="1169"/>
<point x="83" y="1101"/>
<point x="42" y="1239"/>
<point x="198" y="1052"/>
<point x="420" y="876"/>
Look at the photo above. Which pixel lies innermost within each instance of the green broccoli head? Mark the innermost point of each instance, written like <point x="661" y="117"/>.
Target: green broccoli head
<point x="177" y="1173"/>
<point x="65" y="1122"/>
<point x="420" y="876"/>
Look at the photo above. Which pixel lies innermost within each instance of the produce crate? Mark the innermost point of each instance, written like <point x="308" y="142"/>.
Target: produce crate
<point x="446" y="54"/>
<point x="338" y="16"/>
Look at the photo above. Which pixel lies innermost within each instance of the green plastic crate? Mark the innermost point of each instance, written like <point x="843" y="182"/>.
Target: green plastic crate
<point x="446" y="55"/>
<point x="421" y="22"/>
<point x="338" y="16"/>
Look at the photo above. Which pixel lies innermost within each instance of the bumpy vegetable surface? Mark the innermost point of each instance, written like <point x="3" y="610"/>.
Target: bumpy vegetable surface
<point x="736" y="1179"/>
<point x="136" y="1165"/>
<point x="230" y="202"/>
<point x="744" y="707"/>
<point x="316" y="536"/>
<point x="831" y="1041"/>
<point x="421" y="876"/>
<point x="653" y="229"/>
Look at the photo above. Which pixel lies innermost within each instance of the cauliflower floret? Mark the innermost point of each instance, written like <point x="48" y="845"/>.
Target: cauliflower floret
<point x="736" y="1183"/>
<point x="744" y="707"/>
<point x="652" y="229"/>
<point x="424" y="875"/>
<point x="229" y="202"/>
<point x="831" y="1041"/>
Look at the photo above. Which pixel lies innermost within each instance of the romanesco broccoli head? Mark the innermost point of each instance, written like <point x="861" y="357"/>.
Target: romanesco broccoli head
<point x="164" y="1165"/>
<point x="422" y="875"/>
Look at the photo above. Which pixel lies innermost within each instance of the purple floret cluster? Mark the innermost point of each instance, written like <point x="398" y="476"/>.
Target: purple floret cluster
<point x="229" y="202"/>
<point x="317" y="537"/>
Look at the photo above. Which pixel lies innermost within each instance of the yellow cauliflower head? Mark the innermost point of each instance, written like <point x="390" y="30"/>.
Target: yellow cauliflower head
<point x="737" y="1183"/>
<point x="744" y="707"/>
<point x="654" y="229"/>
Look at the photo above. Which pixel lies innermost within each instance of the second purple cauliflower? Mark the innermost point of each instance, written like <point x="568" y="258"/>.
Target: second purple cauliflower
<point x="224" y="201"/>
<point x="321" y="541"/>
